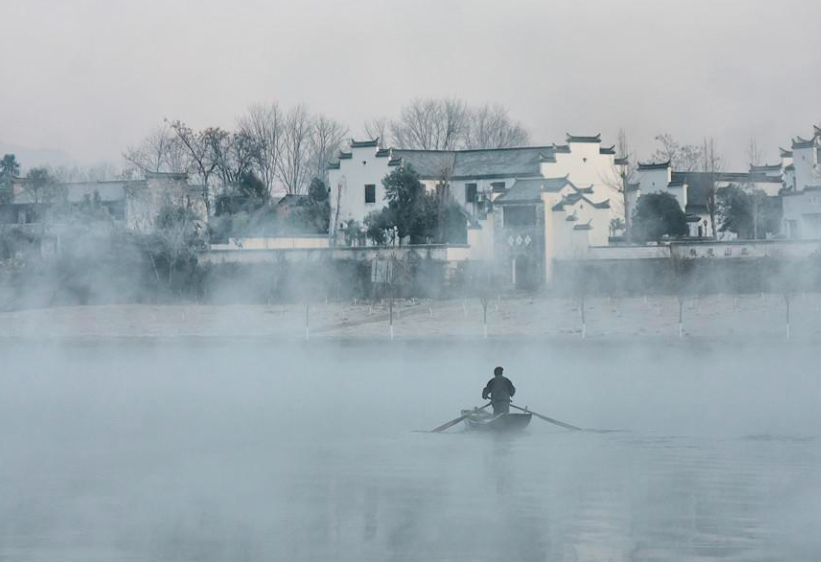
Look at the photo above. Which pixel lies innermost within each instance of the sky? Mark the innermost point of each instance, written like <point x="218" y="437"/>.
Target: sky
<point x="89" y="77"/>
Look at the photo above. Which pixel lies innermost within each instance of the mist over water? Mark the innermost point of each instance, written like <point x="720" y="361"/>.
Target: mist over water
<point x="231" y="451"/>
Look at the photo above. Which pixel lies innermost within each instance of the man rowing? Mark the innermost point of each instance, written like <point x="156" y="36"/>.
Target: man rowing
<point x="499" y="390"/>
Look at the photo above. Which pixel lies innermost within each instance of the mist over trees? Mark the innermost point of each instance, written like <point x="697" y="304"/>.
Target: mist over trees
<point x="414" y="214"/>
<point x="448" y="124"/>
<point x="658" y="215"/>
<point x="683" y="157"/>
<point x="283" y="149"/>
<point x="749" y="214"/>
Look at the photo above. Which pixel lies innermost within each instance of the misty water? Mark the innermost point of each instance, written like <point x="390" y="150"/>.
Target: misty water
<point x="245" y="451"/>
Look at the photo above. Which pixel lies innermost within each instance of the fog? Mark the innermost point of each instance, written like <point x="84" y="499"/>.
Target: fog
<point x="91" y="77"/>
<point x="157" y="405"/>
<point x="224" y="450"/>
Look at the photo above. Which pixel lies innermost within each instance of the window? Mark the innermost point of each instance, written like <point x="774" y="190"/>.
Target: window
<point x="370" y="193"/>
<point x="470" y="193"/>
<point x="524" y="215"/>
<point x="498" y="186"/>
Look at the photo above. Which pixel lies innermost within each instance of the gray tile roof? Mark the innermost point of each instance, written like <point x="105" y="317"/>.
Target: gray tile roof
<point x="475" y="164"/>
<point x="766" y="168"/>
<point x="429" y="164"/>
<point x="524" y="190"/>
<point x="556" y="184"/>
<point x="699" y="184"/>
<point x="372" y="143"/>
<point x="654" y="165"/>
<point x="574" y="138"/>
<point x="530" y="189"/>
<point x="514" y="162"/>
<point x="798" y="142"/>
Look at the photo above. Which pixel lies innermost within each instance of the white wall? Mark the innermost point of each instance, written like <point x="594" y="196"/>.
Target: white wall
<point x="654" y="180"/>
<point x="457" y="189"/>
<point x="278" y="243"/>
<point x="482" y="240"/>
<point x="771" y="189"/>
<point x="804" y="160"/>
<point x="802" y="215"/>
<point x="585" y="166"/>
<point x="350" y="180"/>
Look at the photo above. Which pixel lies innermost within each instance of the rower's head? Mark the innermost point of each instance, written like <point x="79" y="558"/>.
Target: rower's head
<point x="498" y="371"/>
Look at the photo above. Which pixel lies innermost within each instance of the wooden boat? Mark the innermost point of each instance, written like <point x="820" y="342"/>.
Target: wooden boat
<point x="479" y="420"/>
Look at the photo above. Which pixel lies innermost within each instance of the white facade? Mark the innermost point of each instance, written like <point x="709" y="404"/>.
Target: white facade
<point x="365" y="165"/>
<point x="802" y="188"/>
<point x="580" y="181"/>
<point x="689" y="188"/>
<point x="802" y="214"/>
<point x="486" y="173"/>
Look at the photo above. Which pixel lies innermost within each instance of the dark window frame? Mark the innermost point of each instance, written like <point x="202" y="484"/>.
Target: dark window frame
<point x="471" y="193"/>
<point x="370" y="193"/>
<point x="520" y="216"/>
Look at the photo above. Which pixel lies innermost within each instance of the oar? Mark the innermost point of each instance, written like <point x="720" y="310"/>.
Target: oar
<point x="451" y="423"/>
<point x="547" y="419"/>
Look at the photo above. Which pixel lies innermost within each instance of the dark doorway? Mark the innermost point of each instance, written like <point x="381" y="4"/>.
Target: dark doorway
<point x="523" y="274"/>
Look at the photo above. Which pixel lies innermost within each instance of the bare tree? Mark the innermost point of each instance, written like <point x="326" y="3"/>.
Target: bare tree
<point x="490" y="126"/>
<point x="264" y="123"/>
<point x="379" y="128"/>
<point x="235" y="154"/>
<point x="754" y="158"/>
<point x="327" y="137"/>
<point x="622" y="174"/>
<point x="200" y="148"/>
<point x="431" y="124"/>
<point x="293" y="168"/>
<point x="74" y="173"/>
<point x="160" y="151"/>
<point x="711" y="166"/>
<point x="683" y="157"/>
<point x="448" y="124"/>
<point x="44" y="193"/>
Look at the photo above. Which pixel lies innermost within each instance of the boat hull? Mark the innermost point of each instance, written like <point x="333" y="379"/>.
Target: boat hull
<point x="503" y="423"/>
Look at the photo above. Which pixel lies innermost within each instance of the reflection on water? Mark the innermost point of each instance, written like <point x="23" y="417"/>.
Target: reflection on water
<point x="144" y="469"/>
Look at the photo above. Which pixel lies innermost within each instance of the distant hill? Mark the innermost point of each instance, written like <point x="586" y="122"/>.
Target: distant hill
<point x="32" y="157"/>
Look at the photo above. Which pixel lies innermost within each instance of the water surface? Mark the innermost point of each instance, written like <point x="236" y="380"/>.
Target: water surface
<point x="252" y="451"/>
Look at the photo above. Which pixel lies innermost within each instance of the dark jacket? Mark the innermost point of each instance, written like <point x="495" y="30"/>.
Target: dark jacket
<point x="499" y="389"/>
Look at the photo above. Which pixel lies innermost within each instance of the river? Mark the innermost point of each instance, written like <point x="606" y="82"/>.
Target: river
<point x="243" y="451"/>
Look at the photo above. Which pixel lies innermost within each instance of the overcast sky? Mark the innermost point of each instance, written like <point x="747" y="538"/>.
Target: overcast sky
<point x="90" y="77"/>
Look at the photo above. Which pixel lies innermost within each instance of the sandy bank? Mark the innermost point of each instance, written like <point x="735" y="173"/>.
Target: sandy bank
<point x="718" y="317"/>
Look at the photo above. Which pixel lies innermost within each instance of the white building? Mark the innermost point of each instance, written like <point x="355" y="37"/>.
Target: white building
<point x="569" y="193"/>
<point x="691" y="189"/>
<point x="135" y="204"/>
<point x="801" y="196"/>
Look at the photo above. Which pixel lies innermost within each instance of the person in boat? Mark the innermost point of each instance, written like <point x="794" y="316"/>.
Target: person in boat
<point x="499" y="390"/>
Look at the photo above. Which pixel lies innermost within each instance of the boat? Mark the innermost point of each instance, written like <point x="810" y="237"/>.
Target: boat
<point x="479" y="420"/>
